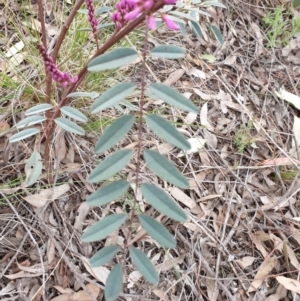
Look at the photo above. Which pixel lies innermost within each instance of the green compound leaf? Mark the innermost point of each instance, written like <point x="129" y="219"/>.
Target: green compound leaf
<point x="104" y="227"/>
<point x="164" y="169"/>
<point x="111" y="165"/>
<point x="113" y="59"/>
<point x="114" y="133"/>
<point x="166" y="131"/>
<point x="112" y="96"/>
<point x="33" y="168"/>
<point x="74" y="113"/>
<point x="30" y="121"/>
<point x="173" y="97"/>
<point x="168" y="52"/>
<point x="23" y="135"/>
<point x="83" y="94"/>
<point x="69" y="126"/>
<point x="157" y="231"/>
<point x="104" y="255"/>
<point x="217" y="34"/>
<point x="197" y="29"/>
<point x="144" y="265"/>
<point x="114" y="283"/>
<point x="107" y="193"/>
<point x="158" y="199"/>
<point x="38" y="109"/>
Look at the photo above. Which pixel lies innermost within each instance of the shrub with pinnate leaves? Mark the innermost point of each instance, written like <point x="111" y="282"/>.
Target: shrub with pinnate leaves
<point x="128" y="15"/>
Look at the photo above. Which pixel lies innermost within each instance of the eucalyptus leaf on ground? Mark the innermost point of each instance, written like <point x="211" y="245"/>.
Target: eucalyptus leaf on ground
<point x="69" y="126"/>
<point x="111" y="165"/>
<point x="113" y="59"/>
<point x="167" y="131"/>
<point x="163" y="203"/>
<point x="104" y="255"/>
<point x="114" y="133"/>
<point x="23" y="134"/>
<point x="104" y="227"/>
<point x="107" y="193"/>
<point x="112" y="96"/>
<point x="164" y="169"/>
<point x="114" y="283"/>
<point x="172" y="97"/>
<point x="157" y="231"/>
<point x="144" y="265"/>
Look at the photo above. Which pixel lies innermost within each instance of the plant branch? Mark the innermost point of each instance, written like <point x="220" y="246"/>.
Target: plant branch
<point x="140" y="126"/>
<point x="65" y="28"/>
<point x="115" y="38"/>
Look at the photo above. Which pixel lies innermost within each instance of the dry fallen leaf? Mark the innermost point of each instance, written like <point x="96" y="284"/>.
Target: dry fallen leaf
<point x="99" y="273"/>
<point x="180" y="196"/>
<point x="267" y="266"/>
<point x="40" y="199"/>
<point x="245" y="261"/>
<point x="174" y="77"/>
<point x="289" y="284"/>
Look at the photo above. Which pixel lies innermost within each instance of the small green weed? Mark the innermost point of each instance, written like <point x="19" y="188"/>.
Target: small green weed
<point x="281" y="26"/>
<point x="243" y="137"/>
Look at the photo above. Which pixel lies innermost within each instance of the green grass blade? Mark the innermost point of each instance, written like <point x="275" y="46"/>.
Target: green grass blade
<point x="168" y="52"/>
<point x="111" y="165"/>
<point x="114" y="283"/>
<point x="113" y="59"/>
<point x="104" y="227"/>
<point x="144" y="265"/>
<point x="166" y="131"/>
<point x="23" y="134"/>
<point x="157" y="231"/>
<point x="107" y="193"/>
<point x="103" y="256"/>
<point x="112" y="96"/>
<point x="74" y="113"/>
<point x="69" y="126"/>
<point x="164" y="169"/>
<point x="114" y="133"/>
<point x="158" y="199"/>
<point x="172" y="97"/>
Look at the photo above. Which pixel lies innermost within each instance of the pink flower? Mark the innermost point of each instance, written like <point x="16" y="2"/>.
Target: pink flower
<point x="172" y="25"/>
<point x="91" y="15"/>
<point x="56" y="74"/>
<point x="151" y="22"/>
<point x="133" y="14"/>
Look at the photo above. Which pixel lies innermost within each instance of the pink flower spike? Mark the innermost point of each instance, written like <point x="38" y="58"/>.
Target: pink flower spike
<point x="151" y="22"/>
<point x="133" y="14"/>
<point x="172" y="25"/>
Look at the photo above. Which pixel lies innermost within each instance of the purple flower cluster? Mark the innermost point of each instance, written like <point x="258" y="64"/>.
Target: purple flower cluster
<point x="127" y="10"/>
<point x="91" y="15"/>
<point x="56" y="74"/>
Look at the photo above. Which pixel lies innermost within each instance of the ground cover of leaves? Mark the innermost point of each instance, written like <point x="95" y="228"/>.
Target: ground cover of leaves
<point x="242" y="237"/>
